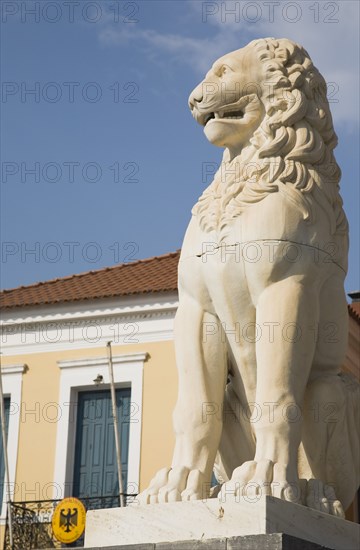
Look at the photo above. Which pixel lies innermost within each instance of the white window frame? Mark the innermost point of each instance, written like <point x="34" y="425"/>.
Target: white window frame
<point x="79" y="375"/>
<point x="12" y="385"/>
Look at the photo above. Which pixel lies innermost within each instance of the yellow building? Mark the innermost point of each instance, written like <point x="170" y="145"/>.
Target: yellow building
<point x="55" y="372"/>
<point x="56" y="383"/>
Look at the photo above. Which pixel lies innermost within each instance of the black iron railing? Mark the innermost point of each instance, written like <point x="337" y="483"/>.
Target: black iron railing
<point x="31" y="522"/>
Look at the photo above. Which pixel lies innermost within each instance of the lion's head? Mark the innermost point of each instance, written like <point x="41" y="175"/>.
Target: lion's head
<point x="267" y="105"/>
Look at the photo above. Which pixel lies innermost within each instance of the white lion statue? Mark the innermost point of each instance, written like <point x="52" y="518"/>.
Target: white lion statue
<point x="261" y="328"/>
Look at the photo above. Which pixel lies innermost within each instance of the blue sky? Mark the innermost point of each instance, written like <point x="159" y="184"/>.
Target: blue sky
<point x="117" y="160"/>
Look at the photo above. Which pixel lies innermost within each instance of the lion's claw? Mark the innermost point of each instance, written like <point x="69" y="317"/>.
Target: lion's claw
<point x="253" y="479"/>
<point x="175" y="484"/>
<point x="322" y="497"/>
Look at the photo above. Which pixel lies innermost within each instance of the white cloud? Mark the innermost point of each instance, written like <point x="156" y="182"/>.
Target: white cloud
<point x="329" y="31"/>
<point x="199" y="53"/>
<point x="333" y="46"/>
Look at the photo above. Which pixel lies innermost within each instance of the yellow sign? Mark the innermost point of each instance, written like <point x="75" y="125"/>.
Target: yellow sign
<point x="68" y="521"/>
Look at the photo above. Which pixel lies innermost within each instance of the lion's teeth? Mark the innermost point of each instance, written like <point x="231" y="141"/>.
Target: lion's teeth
<point x="220" y="114"/>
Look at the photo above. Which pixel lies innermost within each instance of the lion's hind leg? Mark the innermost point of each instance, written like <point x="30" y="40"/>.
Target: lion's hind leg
<point x="330" y="434"/>
<point x="331" y="440"/>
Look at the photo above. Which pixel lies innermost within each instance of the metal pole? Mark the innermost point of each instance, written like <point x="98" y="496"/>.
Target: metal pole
<point x="116" y="429"/>
<point x="6" y="462"/>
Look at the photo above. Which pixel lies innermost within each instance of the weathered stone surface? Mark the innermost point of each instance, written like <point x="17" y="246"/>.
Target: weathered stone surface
<point x="197" y="520"/>
<point x="209" y="544"/>
<point x="275" y="541"/>
<point x="126" y="547"/>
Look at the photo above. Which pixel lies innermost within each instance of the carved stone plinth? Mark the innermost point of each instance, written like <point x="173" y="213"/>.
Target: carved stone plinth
<point x="196" y="524"/>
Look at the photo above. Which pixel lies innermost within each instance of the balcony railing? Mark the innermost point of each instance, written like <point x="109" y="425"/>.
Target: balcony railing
<point x="31" y="522"/>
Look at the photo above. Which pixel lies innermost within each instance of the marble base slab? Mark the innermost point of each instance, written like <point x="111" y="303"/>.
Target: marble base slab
<point x="275" y="541"/>
<point x="205" y="519"/>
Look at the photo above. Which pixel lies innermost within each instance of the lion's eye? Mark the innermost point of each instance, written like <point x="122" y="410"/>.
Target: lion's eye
<point x="224" y="69"/>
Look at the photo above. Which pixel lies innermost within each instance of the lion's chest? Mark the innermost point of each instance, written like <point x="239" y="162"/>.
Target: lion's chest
<point x="213" y="273"/>
<point x="268" y="242"/>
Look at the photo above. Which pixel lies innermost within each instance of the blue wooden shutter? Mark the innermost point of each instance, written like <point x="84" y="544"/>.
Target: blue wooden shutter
<point x="95" y="469"/>
<point x="2" y="461"/>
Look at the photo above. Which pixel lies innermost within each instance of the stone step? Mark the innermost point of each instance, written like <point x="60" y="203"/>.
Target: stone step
<point x="274" y="541"/>
<point x="203" y="521"/>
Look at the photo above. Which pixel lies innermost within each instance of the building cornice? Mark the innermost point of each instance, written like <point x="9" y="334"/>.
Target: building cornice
<point x="100" y="361"/>
<point x="60" y="328"/>
<point x="13" y="369"/>
<point x="89" y="309"/>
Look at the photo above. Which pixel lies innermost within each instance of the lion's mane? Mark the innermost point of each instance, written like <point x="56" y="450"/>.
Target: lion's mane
<point x="290" y="153"/>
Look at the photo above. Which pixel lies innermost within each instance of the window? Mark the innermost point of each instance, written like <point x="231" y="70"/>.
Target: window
<point x="77" y="378"/>
<point x="2" y="458"/>
<point x="12" y="383"/>
<point x="95" y="468"/>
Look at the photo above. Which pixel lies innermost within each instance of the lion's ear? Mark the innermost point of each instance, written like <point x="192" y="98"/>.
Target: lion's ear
<point x="283" y="54"/>
<point x="296" y="76"/>
<point x="288" y="111"/>
<point x="286" y="49"/>
<point x="297" y="106"/>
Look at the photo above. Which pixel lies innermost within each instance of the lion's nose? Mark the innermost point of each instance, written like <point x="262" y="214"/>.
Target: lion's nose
<point x="196" y="97"/>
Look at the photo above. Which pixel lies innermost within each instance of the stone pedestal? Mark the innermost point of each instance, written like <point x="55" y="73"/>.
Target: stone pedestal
<point x="275" y="541"/>
<point x="205" y="524"/>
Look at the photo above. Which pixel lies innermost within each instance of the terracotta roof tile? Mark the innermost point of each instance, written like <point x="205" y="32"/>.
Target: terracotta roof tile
<point x="354" y="311"/>
<point x="157" y="274"/>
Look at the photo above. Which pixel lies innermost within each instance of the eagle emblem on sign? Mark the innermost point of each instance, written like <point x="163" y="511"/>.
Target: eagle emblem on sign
<point x="68" y="521"/>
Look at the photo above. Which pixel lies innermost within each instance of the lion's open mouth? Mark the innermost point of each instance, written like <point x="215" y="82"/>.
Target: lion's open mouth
<point x="222" y="114"/>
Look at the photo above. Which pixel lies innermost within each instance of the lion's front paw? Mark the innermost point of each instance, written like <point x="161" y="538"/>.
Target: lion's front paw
<point x="322" y="497"/>
<point x="175" y="484"/>
<point x="253" y="479"/>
